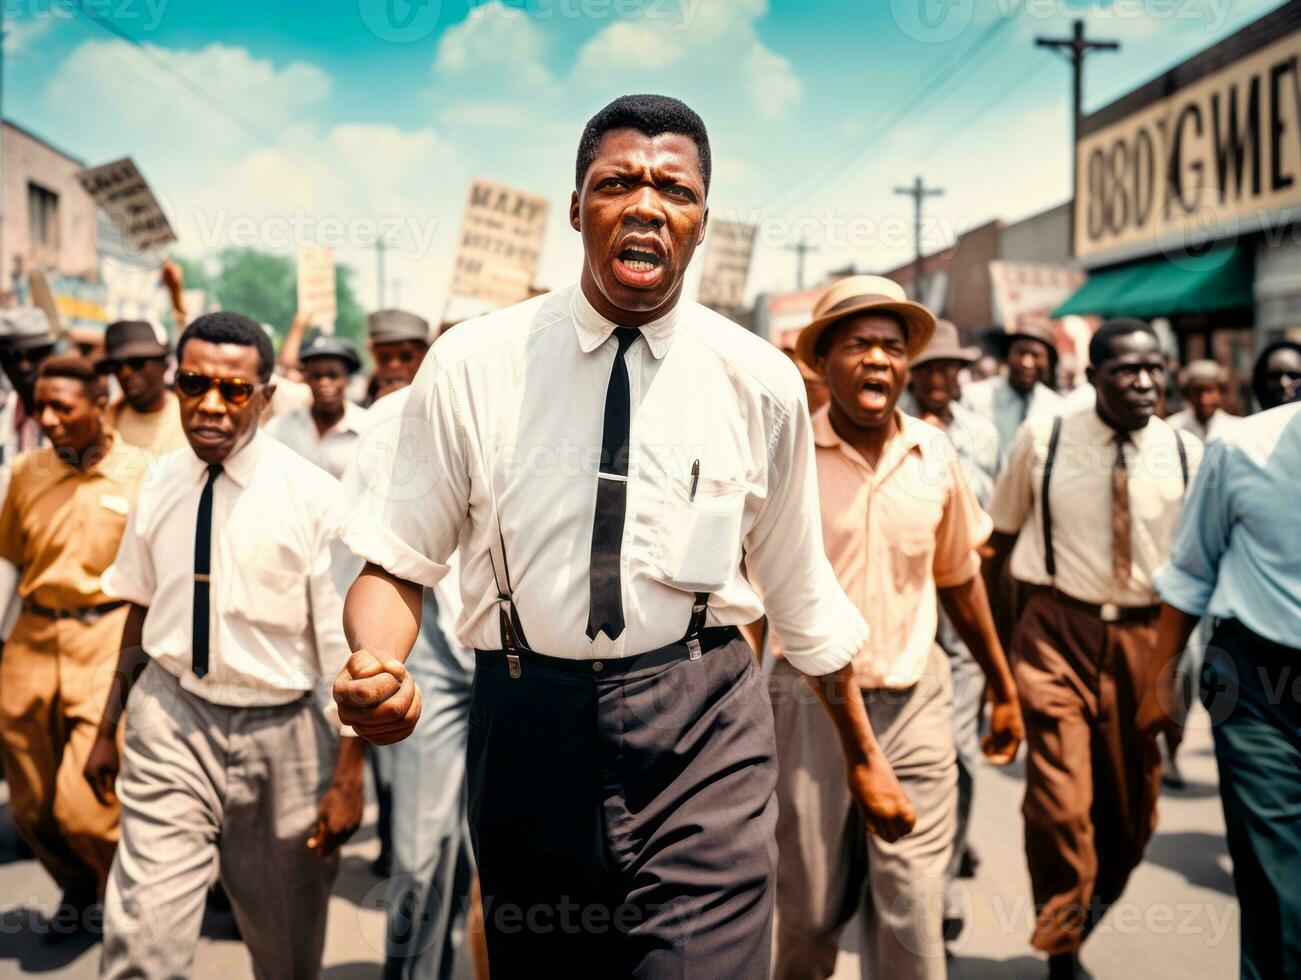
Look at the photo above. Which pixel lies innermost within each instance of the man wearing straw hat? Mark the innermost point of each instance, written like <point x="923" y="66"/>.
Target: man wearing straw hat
<point x="901" y="526"/>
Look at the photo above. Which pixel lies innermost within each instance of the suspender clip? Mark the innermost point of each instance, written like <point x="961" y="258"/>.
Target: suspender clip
<point x="693" y="648"/>
<point x="513" y="665"/>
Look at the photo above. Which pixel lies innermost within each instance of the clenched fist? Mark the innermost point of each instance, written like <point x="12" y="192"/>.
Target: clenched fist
<point x="377" y="697"/>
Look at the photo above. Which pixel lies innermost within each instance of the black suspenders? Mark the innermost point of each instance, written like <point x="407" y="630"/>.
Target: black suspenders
<point x="1050" y="559"/>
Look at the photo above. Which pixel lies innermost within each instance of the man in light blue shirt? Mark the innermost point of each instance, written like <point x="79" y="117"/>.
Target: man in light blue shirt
<point x="1236" y="558"/>
<point x="1019" y="393"/>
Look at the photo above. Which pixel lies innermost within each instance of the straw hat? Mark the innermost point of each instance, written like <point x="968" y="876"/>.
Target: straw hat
<point x="862" y="294"/>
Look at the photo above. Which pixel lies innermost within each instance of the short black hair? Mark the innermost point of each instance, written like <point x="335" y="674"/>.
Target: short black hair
<point x="77" y="368"/>
<point x="824" y="340"/>
<point x="650" y="115"/>
<point x="1100" y="349"/>
<point x="231" y="328"/>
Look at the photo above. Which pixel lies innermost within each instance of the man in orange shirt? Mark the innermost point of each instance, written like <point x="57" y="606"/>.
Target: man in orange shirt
<point x="901" y="525"/>
<point x="60" y="525"/>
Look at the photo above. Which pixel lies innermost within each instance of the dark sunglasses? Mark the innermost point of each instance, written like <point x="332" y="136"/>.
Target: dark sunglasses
<point x="235" y="391"/>
<point x="134" y="363"/>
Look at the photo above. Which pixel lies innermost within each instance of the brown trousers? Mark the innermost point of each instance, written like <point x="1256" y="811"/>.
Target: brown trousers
<point x="1091" y="778"/>
<point x="54" y="677"/>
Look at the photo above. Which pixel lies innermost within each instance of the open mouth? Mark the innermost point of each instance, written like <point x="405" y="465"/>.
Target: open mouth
<point x="638" y="267"/>
<point x="876" y="395"/>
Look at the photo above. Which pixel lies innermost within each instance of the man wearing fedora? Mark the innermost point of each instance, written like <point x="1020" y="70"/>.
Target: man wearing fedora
<point x="933" y="392"/>
<point x="1022" y="390"/>
<point x="148" y="415"/>
<point x="901" y="526"/>
<point x="326" y="431"/>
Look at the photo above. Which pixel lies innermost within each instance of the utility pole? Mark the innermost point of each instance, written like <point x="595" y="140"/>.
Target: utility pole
<point x="800" y="248"/>
<point x="379" y="271"/>
<point x="918" y="192"/>
<point x="397" y="293"/>
<point x="1075" y="49"/>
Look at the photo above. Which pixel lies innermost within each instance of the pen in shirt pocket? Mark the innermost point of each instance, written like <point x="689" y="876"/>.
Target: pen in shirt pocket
<point x="695" y="480"/>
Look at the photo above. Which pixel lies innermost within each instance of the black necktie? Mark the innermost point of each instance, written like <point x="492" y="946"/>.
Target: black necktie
<point x="202" y="567"/>
<point x="605" y="609"/>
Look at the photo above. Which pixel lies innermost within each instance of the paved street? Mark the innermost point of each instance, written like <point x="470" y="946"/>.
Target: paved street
<point x="1179" y="917"/>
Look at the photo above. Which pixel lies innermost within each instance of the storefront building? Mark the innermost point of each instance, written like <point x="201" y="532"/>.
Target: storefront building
<point x="1188" y="198"/>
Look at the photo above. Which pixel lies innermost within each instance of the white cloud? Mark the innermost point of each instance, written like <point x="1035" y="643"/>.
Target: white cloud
<point x="494" y="45"/>
<point x="21" y="33"/>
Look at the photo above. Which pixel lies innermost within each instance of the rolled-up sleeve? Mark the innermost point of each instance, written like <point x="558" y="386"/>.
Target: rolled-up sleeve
<point x="820" y="628"/>
<point x="132" y="576"/>
<point x="963" y="528"/>
<point x="414" y="493"/>
<point x="1189" y="580"/>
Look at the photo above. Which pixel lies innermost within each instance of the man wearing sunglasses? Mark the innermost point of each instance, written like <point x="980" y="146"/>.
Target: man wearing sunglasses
<point x="229" y="757"/>
<point x="398" y="343"/>
<point x="147" y="414"/>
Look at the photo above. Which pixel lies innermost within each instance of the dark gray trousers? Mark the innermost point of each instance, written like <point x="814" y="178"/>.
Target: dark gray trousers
<point x="624" y="819"/>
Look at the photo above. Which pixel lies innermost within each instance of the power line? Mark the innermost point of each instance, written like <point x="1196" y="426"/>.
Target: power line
<point x="109" y="27"/>
<point x="872" y="141"/>
<point x="1003" y="94"/>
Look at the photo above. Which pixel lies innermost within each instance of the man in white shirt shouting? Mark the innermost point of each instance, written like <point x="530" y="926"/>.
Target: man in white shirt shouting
<point x="229" y="766"/>
<point x="604" y="457"/>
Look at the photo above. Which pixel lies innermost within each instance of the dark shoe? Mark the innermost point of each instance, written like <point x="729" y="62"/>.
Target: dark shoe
<point x="1066" y="966"/>
<point x="382" y="866"/>
<point x="71" y="918"/>
<point x="1170" y="774"/>
<point x="969" y="864"/>
<point x="952" y="928"/>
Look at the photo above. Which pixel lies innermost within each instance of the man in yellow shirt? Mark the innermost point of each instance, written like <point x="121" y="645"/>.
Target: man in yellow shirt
<point x="60" y="525"/>
<point x="147" y="416"/>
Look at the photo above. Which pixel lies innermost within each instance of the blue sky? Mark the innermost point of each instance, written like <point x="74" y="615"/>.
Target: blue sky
<point x="341" y="115"/>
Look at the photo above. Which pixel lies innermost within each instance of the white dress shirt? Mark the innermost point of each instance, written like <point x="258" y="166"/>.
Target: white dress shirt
<point x="332" y="450"/>
<point x="1214" y="430"/>
<point x="1007" y="408"/>
<point x="503" y="428"/>
<point x="275" y="614"/>
<point x="1080" y="489"/>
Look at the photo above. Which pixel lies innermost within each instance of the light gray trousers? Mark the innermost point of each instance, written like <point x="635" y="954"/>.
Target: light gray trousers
<point x="208" y="790"/>
<point x="828" y="864"/>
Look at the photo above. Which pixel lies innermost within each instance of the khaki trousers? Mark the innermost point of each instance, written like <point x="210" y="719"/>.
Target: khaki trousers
<point x="1091" y="778"/>
<point x="54" y="678"/>
<point x="208" y="789"/>
<point x="827" y="862"/>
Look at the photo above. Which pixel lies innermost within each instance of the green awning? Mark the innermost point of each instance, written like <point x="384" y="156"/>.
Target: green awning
<point x="1221" y="279"/>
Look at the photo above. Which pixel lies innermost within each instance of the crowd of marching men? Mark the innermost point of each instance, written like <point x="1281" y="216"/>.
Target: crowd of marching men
<point x="1032" y="563"/>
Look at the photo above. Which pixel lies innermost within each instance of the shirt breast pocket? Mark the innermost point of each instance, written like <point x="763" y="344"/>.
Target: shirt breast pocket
<point x="699" y="539"/>
<point x="270" y="598"/>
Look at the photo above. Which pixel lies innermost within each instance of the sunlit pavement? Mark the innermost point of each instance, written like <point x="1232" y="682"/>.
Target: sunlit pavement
<point x="1178" y="917"/>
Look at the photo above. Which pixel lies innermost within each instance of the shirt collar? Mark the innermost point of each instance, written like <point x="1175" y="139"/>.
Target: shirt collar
<point x="594" y="330"/>
<point x="239" y="467"/>
<point x="1106" y="435"/>
<point x="909" y="433"/>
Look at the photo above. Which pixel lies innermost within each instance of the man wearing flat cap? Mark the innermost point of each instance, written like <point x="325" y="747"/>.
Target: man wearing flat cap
<point x="1019" y="392"/>
<point x="398" y="343"/>
<point x="148" y="415"/>
<point x="901" y="526"/>
<point x="1203" y="384"/>
<point x="933" y="395"/>
<point x="327" y="431"/>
